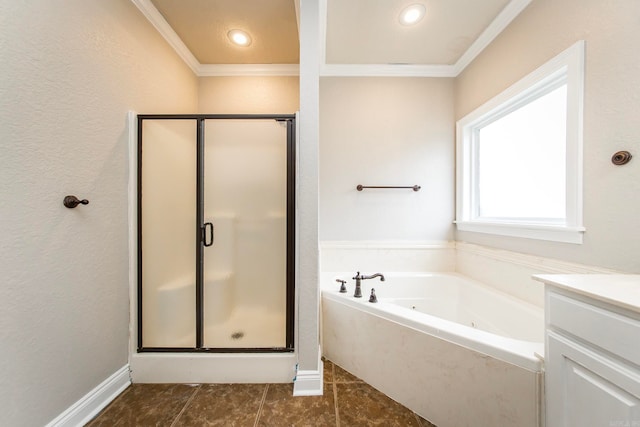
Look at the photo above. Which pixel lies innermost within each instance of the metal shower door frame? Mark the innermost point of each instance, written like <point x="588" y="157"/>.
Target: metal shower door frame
<point x="290" y="120"/>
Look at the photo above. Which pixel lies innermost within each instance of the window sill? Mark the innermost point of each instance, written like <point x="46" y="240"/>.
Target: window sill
<point x="553" y="233"/>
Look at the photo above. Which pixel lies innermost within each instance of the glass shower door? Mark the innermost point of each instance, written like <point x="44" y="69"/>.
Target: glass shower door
<point x="167" y="208"/>
<point x="245" y="200"/>
<point x="216" y="233"/>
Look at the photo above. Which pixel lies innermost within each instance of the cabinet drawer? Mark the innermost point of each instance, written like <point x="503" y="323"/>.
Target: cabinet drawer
<point x="611" y="331"/>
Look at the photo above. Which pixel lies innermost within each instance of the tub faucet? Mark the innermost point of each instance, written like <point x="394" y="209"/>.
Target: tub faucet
<point x="359" y="279"/>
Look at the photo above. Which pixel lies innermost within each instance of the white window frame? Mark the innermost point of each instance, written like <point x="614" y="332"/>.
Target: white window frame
<point x="567" y="66"/>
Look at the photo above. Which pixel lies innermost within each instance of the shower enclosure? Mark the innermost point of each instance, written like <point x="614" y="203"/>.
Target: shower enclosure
<point x="216" y="233"/>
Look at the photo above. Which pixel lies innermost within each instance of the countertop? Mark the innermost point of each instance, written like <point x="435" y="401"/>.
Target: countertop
<point x="622" y="290"/>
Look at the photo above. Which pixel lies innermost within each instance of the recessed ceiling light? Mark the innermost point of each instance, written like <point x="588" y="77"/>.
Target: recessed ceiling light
<point x="239" y="38"/>
<point x="412" y="14"/>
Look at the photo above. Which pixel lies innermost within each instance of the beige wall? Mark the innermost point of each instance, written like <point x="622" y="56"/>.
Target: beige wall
<point x="612" y="91"/>
<point x="386" y="131"/>
<point x="248" y="95"/>
<point x="70" y="72"/>
<point x="72" y="69"/>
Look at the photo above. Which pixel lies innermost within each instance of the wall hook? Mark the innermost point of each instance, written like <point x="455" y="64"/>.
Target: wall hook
<point x="72" y="201"/>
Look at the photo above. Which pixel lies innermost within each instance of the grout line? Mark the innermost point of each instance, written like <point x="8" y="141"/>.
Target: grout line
<point x="184" y="408"/>
<point x="335" y="393"/>
<point x="259" y="413"/>
<point x="335" y="403"/>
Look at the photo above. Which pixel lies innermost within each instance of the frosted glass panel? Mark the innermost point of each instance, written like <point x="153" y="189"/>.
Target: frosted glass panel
<point x="168" y="233"/>
<point x="245" y="269"/>
<point x="522" y="161"/>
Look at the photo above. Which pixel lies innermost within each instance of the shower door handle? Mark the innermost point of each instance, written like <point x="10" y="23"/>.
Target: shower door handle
<point x="204" y="234"/>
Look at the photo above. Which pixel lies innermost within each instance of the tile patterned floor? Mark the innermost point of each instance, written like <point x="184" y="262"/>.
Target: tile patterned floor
<point x="347" y="401"/>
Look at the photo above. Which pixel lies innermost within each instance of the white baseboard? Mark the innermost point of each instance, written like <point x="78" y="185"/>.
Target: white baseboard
<point x="309" y="383"/>
<point x="93" y="402"/>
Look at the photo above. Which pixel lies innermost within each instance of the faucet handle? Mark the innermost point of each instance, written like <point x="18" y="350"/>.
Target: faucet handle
<point x="373" y="297"/>
<point x="358" y="276"/>
<point x="343" y="288"/>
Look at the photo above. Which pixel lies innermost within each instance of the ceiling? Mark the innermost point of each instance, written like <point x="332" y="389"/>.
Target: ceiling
<point x="369" y="31"/>
<point x="203" y="26"/>
<point x="363" y="33"/>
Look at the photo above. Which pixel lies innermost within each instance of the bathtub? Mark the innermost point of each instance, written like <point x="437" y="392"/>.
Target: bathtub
<point x="453" y="350"/>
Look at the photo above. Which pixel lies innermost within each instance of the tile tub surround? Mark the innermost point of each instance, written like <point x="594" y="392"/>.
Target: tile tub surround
<point x="387" y="256"/>
<point x="347" y="401"/>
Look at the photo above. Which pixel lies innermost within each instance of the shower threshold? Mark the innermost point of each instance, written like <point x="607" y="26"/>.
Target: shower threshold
<point x="199" y="368"/>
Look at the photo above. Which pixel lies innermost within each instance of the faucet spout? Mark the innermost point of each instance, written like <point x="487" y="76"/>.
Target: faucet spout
<point x="359" y="278"/>
<point x="373" y="276"/>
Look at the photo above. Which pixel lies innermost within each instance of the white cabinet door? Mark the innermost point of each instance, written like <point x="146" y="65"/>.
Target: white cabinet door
<point x="585" y="388"/>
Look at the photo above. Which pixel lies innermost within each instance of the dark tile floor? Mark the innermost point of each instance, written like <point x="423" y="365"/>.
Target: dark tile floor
<point x="347" y="401"/>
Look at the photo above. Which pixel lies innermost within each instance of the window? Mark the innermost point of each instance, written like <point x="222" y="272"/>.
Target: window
<point x="519" y="156"/>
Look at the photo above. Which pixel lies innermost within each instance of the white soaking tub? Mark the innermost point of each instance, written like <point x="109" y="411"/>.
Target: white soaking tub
<point x="452" y="349"/>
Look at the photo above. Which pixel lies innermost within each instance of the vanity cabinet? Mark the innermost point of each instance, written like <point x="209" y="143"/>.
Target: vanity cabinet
<point x="592" y="360"/>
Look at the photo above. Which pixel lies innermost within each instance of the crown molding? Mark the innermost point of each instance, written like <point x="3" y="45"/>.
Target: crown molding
<point x="296" y="5"/>
<point x="322" y="16"/>
<point x="208" y="70"/>
<point x="157" y="20"/>
<point x="500" y="22"/>
<point x="386" y="70"/>
<point x="504" y="18"/>
<point x="218" y="70"/>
